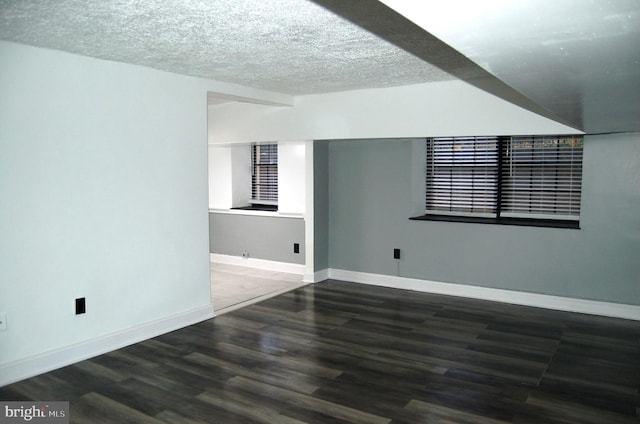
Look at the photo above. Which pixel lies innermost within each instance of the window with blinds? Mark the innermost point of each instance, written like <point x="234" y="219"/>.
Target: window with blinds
<point x="462" y="174"/>
<point x="535" y="180"/>
<point x="264" y="176"/>
<point x="542" y="176"/>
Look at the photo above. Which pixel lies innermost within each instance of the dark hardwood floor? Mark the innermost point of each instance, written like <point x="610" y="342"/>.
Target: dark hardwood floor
<point x="346" y="353"/>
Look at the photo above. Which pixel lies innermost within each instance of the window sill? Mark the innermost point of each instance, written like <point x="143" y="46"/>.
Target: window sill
<point x="256" y="207"/>
<point x="524" y="222"/>
<point x="256" y="213"/>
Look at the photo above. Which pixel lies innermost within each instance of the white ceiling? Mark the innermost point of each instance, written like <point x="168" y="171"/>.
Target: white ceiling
<point x="578" y="58"/>
<point x="576" y="61"/>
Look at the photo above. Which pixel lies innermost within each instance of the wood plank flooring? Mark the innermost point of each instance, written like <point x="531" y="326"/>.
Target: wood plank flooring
<point x="339" y="352"/>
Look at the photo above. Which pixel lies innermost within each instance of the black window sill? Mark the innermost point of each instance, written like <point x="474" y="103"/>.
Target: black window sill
<point x="265" y="208"/>
<point x="525" y="222"/>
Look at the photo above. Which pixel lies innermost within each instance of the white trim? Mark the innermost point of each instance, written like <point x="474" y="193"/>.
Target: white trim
<point x="321" y="275"/>
<point x="593" y="307"/>
<point x="257" y="213"/>
<point x="48" y="361"/>
<point x="317" y="276"/>
<point x="309" y="207"/>
<point x="265" y="264"/>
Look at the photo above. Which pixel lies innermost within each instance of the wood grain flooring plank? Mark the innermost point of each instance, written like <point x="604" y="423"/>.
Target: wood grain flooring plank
<point x="308" y="402"/>
<point x="171" y="417"/>
<point x="499" y="382"/>
<point x="592" y="395"/>
<point x="492" y="402"/>
<point x="325" y="349"/>
<point x="357" y="393"/>
<point x="180" y="378"/>
<point x="199" y="411"/>
<point x="95" y="369"/>
<point x="198" y="377"/>
<point x="141" y="396"/>
<point x="545" y="406"/>
<point x="588" y="369"/>
<point x="418" y="411"/>
<point x="419" y="349"/>
<point x="509" y="352"/>
<point x="287" y="378"/>
<point x="48" y="386"/>
<point x="125" y="362"/>
<point x="247" y="407"/>
<point x="310" y="365"/>
<point x="527" y="342"/>
<point x="97" y="409"/>
<point x="308" y="318"/>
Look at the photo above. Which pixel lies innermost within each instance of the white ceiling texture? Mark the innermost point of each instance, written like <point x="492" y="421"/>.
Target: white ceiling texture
<point x="576" y="61"/>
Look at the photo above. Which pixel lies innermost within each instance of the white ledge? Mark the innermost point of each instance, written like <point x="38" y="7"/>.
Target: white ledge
<point x="257" y="213"/>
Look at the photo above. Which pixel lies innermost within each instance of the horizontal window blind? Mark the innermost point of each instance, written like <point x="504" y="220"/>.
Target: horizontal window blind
<point x="542" y="175"/>
<point x="533" y="177"/>
<point x="264" y="179"/>
<point x="462" y="174"/>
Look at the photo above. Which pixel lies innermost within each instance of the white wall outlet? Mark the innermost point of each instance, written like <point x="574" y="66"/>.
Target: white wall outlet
<point x="245" y="254"/>
<point x="3" y="321"/>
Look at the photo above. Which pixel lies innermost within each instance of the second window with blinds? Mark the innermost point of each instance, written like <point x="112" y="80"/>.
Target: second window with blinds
<point x="264" y="176"/>
<point x="534" y="180"/>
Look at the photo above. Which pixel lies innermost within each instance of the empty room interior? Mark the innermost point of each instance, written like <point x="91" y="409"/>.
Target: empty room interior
<point x="431" y="209"/>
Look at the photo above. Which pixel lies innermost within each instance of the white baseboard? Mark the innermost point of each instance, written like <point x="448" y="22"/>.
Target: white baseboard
<point x="593" y="307"/>
<point x="317" y="276"/>
<point x="48" y="361"/>
<point x="321" y="275"/>
<point x="258" y="263"/>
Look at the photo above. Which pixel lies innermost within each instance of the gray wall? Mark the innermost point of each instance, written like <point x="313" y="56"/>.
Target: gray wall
<point x="320" y="203"/>
<point x="263" y="237"/>
<point x="370" y="202"/>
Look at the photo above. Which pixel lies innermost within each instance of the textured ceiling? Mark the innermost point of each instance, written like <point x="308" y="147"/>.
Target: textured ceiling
<point x="288" y="46"/>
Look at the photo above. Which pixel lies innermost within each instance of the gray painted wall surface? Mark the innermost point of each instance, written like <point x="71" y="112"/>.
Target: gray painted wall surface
<point x="370" y="203"/>
<point x="320" y="202"/>
<point x="263" y="237"/>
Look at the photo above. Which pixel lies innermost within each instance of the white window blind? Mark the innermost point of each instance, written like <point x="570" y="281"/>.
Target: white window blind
<point x="542" y="176"/>
<point x="462" y="174"/>
<point x="264" y="178"/>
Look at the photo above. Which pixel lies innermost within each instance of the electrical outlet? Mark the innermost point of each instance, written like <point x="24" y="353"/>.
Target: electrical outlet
<point x="3" y="321"/>
<point x="245" y="254"/>
<point x="396" y="253"/>
<point x="81" y="306"/>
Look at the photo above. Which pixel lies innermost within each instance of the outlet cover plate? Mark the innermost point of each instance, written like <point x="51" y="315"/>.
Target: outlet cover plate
<point x="81" y="306"/>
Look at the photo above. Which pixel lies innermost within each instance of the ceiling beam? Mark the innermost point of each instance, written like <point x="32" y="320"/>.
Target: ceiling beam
<point x="391" y="26"/>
